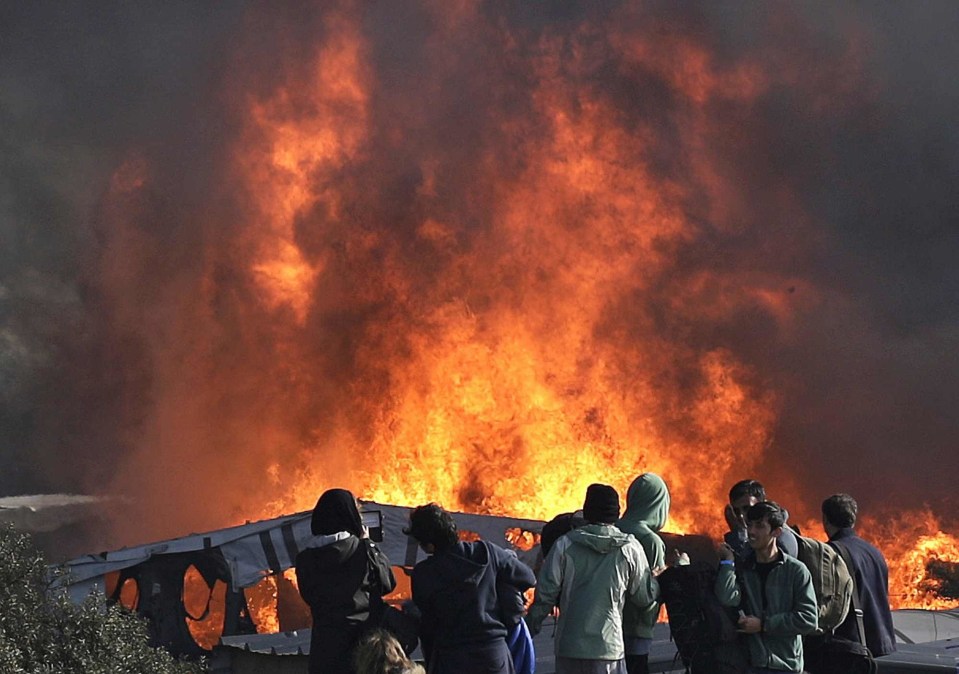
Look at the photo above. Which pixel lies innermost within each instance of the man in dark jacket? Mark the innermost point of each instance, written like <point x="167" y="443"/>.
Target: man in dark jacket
<point x="843" y="652"/>
<point x="457" y="590"/>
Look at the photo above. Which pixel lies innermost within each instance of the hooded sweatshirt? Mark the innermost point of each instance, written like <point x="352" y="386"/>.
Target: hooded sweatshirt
<point x="593" y="572"/>
<point x="647" y="509"/>
<point x="341" y="576"/>
<point x="456" y="593"/>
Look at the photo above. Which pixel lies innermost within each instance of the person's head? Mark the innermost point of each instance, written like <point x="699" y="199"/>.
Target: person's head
<point x="764" y="523"/>
<point x="432" y="527"/>
<point x="557" y="527"/>
<point x="647" y="502"/>
<point x="743" y="495"/>
<point x="378" y="652"/>
<point x="839" y="511"/>
<point x="336" y="511"/>
<point x="601" y="505"/>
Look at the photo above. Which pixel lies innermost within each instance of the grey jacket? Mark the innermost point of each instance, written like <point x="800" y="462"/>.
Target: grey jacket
<point x="593" y="572"/>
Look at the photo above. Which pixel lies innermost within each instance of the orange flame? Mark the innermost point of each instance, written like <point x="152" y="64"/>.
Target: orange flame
<point x="508" y="399"/>
<point x="910" y="541"/>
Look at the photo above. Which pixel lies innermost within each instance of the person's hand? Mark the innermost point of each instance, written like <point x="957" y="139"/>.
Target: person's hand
<point x="726" y="553"/>
<point x="750" y="624"/>
<point x="677" y="558"/>
<point x="658" y="570"/>
<point x="366" y="532"/>
<point x="731" y="520"/>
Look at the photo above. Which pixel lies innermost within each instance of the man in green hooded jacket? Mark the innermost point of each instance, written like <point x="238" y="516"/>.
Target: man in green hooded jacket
<point x="593" y="572"/>
<point x="647" y="509"/>
<point x="774" y="591"/>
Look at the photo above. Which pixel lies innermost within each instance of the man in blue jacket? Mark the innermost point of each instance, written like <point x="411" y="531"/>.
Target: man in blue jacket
<point x="457" y="590"/>
<point x="843" y="652"/>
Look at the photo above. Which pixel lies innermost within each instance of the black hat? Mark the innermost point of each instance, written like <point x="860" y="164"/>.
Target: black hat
<point x="602" y="504"/>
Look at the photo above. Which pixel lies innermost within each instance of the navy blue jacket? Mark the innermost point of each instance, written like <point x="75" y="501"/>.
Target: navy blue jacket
<point x="456" y="593"/>
<point x="872" y="582"/>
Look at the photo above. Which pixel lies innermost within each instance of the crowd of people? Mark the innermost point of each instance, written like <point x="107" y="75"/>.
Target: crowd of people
<point x="600" y="579"/>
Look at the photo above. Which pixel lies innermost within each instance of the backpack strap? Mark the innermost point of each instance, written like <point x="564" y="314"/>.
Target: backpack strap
<point x="844" y="553"/>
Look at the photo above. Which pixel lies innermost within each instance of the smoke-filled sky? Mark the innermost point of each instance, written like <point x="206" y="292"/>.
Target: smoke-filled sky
<point x="801" y="161"/>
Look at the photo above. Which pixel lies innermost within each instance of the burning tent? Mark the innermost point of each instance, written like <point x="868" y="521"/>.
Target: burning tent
<point x="235" y="581"/>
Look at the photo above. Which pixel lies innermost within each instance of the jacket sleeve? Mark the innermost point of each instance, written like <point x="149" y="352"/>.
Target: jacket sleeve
<point x="512" y="571"/>
<point x="307" y="580"/>
<point x="659" y="553"/>
<point x="727" y="589"/>
<point x="427" y="615"/>
<point x="804" y="616"/>
<point x="381" y="567"/>
<point x="643" y="588"/>
<point x="548" y="585"/>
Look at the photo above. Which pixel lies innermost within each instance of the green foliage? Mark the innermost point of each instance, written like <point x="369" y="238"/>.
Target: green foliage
<point x="43" y="632"/>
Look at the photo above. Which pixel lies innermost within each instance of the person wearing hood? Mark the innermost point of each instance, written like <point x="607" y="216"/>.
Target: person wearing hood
<point x="459" y="590"/>
<point x="593" y="572"/>
<point x="647" y="509"/>
<point x="341" y="575"/>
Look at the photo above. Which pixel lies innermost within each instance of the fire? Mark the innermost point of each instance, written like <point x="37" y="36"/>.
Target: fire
<point x="522" y="539"/>
<point x="505" y="385"/>
<point x="487" y="291"/>
<point x="912" y="541"/>
<point x="261" y="600"/>
<point x="205" y="608"/>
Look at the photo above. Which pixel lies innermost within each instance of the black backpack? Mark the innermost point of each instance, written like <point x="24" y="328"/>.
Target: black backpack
<point x="704" y="630"/>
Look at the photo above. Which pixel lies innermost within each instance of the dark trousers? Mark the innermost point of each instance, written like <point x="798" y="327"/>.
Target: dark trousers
<point x="837" y="658"/>
<point x="637" y="664"/>
<point x="491" y="658"/>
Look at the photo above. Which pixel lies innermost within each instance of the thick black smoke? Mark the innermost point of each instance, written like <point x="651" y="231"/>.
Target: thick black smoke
<point x="858" y="126"/>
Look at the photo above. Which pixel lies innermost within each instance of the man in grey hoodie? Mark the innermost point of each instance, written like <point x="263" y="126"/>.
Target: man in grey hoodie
<point x="647" y="509"/>
<point x="593" y="572"/>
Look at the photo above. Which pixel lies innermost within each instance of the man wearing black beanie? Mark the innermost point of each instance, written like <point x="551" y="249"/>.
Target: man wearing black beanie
<point x="579" y="572"/>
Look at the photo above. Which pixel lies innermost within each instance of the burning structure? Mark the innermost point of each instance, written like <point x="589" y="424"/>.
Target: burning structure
<point x="200" y="590"/>
<point x="231" y="593"/>
<point x="238" y="581"/>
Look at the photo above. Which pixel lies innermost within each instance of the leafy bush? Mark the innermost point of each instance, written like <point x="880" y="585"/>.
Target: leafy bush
<point x="43" y="632"/>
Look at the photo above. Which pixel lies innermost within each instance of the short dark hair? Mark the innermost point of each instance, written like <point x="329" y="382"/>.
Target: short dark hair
<point x="840" y="510"/>
<point x="747" y="488"/>
<point x="769" y="511"/>
<point x="430" y="524"/>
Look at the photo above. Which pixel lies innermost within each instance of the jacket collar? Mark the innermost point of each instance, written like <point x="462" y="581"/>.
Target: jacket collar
<point x="846" y="532"/>
<point x="750" y="561"/>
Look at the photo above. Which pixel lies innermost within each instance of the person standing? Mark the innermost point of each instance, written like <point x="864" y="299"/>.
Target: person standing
<point x="647" y="509"/>
<point x="341" y="575"/>
<point x="843" y="652"/>
<point x="460" y="591"/>
<point x="592" y="572"/>
<point x="742" y="496"/>
<point x="775" y="592"/>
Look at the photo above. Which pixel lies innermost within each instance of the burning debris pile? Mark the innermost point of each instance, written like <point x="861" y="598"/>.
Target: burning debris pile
<point x="942" y="578"/>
